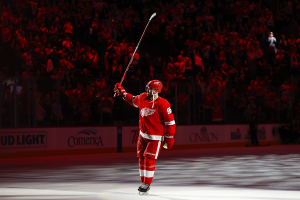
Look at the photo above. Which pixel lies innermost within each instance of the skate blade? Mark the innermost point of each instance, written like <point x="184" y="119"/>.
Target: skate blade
<point x="143" y="193"/>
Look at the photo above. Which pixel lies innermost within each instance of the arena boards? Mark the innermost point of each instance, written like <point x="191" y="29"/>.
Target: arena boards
<point x="39" y="142"/>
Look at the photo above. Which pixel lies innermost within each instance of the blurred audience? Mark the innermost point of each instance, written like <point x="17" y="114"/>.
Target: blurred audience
<point x="232" y="57"/>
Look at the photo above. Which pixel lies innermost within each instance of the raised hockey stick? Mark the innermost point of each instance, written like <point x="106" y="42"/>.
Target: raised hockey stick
<point x="137" y="46"/>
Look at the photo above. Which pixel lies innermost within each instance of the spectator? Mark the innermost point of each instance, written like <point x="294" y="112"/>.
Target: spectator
<point x="40" y="54"/>
<point x="182" y="100"/>
<point x="107" y="105"/>
<point x="170" y="66"/>
<point x="199" y="67"/>
<point x="251" y="108"/>
<point x="188" y="64"/>
<point x="48" y="49"/>
<point x="253" y="126"/>
<point x="67" y="43"/>
<point x="68" y="28"/>
<point x="28" y="58"/>
<point x="286" y="133"/>
<point x="159" y="69"/>
<point x="294" y="60"/>
<point x="206" y="55"/>
<point x="84" y="113"/>
<point x="285" y="89"/>
<point x="56" y="114"/>
<point x="41" y="113"/>
<point x="47" y="107"/>
<point x="217" y="111"/>
<point x="289" y="10"/>
<point x="5" y="34"/>
<point x="272" y="40"/>
<point x="207" y="106"/>
<point x="179" y="67"/>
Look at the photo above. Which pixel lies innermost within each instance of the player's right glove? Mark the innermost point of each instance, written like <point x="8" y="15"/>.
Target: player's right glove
<point x="168" y="142"/>
<point x="119" y="89"/>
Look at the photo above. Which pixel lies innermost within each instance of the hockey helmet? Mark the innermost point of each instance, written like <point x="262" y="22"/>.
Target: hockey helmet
<point x="154" y="84"/>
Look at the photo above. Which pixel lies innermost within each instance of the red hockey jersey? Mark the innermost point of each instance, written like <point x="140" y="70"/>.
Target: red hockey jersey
<point x="153" y="119"/>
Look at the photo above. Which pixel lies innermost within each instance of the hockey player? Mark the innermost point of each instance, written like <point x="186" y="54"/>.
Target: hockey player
<point x="157" y="128"/>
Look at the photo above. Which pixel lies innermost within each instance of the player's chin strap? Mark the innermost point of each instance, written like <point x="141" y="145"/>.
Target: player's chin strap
<point x="152" y="98"/>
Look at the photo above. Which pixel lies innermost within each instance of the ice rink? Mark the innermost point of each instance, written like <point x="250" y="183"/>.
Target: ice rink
<point x="246" y="173"/>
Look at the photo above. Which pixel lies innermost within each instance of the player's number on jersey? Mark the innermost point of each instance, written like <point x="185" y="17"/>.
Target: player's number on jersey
<point x="169" y="110"/>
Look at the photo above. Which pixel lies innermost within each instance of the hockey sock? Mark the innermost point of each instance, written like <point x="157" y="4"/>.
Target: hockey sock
<point x="142" y="168"/>
<point x="149" y="170"/>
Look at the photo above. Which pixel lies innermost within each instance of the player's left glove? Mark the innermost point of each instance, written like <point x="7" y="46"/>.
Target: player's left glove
<point x="168" y="141"/>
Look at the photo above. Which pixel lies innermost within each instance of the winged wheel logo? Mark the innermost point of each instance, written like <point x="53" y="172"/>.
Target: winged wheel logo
<point x="147" y="111"/>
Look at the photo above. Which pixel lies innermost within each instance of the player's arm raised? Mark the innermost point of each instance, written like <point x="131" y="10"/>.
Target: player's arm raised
<point x="170" y="126"/>
<point x="120" y="91"/>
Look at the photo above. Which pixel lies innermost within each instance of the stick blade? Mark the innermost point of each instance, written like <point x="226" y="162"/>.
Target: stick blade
<point x="159" y="12"/>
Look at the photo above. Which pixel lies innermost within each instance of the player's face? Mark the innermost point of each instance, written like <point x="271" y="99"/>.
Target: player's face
<point x="149" y="92"/>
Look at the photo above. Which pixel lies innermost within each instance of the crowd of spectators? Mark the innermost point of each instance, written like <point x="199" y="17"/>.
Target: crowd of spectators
<point x="217" y="59"/>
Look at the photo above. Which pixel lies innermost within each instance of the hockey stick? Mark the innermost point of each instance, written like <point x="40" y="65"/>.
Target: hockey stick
<point x="137" y="46"/>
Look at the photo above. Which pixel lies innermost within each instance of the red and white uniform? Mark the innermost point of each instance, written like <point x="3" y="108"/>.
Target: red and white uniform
<point x="156" y="121"/>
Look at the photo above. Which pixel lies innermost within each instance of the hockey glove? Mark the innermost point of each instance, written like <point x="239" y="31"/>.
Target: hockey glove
<point x="168" y="142"/>
<point x="119" y="90"/>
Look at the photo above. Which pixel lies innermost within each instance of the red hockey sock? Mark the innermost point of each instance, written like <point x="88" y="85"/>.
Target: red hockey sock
<point x="142" y="168"/>
<point x="149" y="170"/>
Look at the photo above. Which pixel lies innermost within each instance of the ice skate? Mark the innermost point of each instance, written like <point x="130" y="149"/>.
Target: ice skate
<point x="143" y="189"/>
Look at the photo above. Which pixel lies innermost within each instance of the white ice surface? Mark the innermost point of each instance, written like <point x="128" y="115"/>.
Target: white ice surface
<point x="129" y="192"/>
<point x="217" y="174"/>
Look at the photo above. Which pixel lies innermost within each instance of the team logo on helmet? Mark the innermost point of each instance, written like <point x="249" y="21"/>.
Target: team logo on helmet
<point x="147" y="111"/>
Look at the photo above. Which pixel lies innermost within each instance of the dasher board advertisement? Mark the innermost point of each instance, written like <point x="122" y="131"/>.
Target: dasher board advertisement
<point x="206" y="134"/>
<point x="41" y="139"/>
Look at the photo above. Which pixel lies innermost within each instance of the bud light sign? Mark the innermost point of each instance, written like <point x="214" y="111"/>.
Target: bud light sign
<point x="262" y="133"/>
<point x="9" y="140"/>
<point x="236" y="135"/>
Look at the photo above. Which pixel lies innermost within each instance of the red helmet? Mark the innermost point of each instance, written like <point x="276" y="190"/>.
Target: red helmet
<point x="154" y="84"/>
